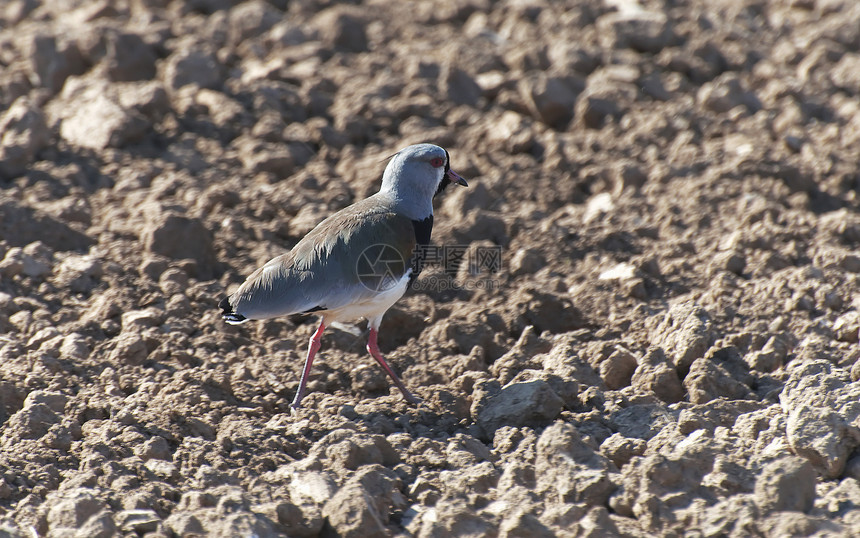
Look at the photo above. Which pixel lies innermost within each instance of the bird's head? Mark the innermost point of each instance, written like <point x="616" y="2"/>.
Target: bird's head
<point x="417" y="173"/>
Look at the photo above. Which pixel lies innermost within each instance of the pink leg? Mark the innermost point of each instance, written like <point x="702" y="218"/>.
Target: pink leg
<point x="313" y="347"/>
<point x="373" y="349"/>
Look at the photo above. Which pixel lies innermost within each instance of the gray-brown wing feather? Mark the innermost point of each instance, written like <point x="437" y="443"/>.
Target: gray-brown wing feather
<point x="341" y="261"/>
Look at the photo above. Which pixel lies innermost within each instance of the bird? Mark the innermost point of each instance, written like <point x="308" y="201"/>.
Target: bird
<point x="357" y="262"/>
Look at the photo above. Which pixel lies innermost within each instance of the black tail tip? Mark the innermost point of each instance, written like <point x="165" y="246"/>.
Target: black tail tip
<point x="227" y="312"/>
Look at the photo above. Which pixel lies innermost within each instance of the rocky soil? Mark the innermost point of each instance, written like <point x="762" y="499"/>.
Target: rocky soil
<point x="670" y="347"/>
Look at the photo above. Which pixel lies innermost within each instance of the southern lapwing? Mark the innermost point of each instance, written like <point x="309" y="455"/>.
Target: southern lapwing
<point x="356" y="263"/>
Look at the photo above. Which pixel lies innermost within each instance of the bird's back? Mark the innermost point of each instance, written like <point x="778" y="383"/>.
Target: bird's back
<point x="343" y="260"/>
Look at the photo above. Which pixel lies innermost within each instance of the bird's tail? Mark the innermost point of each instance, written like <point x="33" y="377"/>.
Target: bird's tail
<point x="228" y="314"/>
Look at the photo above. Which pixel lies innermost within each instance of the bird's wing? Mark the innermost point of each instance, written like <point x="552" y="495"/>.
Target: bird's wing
<point x="349" y="257"/>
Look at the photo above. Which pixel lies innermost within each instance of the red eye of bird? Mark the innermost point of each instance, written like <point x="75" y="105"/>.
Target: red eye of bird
<point x="436" y="162"/>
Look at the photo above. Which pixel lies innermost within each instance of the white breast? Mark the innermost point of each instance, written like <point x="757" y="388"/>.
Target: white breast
<point x="373" y="308"/>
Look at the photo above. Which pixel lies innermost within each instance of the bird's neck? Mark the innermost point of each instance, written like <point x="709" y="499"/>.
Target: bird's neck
<point x="407" y="206"/>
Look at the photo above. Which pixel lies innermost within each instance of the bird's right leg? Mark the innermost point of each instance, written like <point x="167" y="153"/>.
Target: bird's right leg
<point x="373" y="349"/>
<point x="313" y="347"/>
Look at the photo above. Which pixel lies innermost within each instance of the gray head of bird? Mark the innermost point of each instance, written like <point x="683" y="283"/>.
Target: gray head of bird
<point x="416" y="174"/>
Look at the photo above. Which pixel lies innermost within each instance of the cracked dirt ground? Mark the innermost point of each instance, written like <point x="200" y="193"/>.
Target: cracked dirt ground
<point x="670" y="347"/>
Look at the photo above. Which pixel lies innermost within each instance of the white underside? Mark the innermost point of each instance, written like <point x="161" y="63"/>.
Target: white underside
<point x="371" y="309"/>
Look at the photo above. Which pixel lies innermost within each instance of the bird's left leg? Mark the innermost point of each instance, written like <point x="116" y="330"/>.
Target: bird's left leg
<point x="313" y="347"/>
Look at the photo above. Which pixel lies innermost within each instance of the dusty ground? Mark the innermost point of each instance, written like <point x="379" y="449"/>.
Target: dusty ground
<point x="670" y="347"/>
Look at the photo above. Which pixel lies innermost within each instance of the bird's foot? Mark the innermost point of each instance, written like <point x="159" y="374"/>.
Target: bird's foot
<point x="412" y="399"/>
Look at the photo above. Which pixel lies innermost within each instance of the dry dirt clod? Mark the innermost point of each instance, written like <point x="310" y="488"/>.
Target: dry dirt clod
<point x="668" y="347"/>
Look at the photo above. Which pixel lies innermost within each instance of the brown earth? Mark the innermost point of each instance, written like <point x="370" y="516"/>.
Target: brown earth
<point x="670" y="348"/>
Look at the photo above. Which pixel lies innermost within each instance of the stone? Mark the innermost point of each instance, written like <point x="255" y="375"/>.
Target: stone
<point x="550" y="312"/>
<point x="313" y="487"/>
<point x="822" y="407"/>
<point x="56" y="401"/>
<point x="70" y="509"/>
<point x="74" y="347"/>
<point x="163" y="470"/>
<point x="550" y="99"/>
<point x="735" y="515"/>
<point x="517" y="404"/>
<point x="354" y="450"/>
<point x="342" y="28"/>
<point x="41" y="337"/>
<point x="147" y="98"/>
<point x="685" y="334"/>
<point x="732" y="261"/>
<point x="642" y="421"/>
<point x="302" y="521"/>
<point x="656" y="376"/>
<point x="560" y="378"/>
<point x="523" y="525"/>
<point x="12" y="263"/>
<point x="453" y="517"/>
<point x="52" y="61"/>
<point x="189" y="65"/>
<point x="21" y="225"/>
<point x="23" y="261"/>
<point x="798" y="524"/>
<point x="597" y="523"/>
<point x="628" y="175"/>
<point x="184" y="524"/>
<point x="23" y="134"/>
<point x="617" y="369"/>
<point x="822" y="436"/>
<point x="526" y="261"/>
<point x="243" y="524"/>
<point x="770" y="357"/>
<point x="568" y="470"/>
<point x="129" y="349"/>
<point x="620" y="450"/>
<point x="362" y="506"/>
<point x="265" y="157"/>
<point x="101" y="525"/>
<point x="99" y="122"/>
<point x="709" y="380"/>
<point x="786" y="484"/>
<point x="223" y="110"/>
<point x="129" y="57"/>
<point x="136" y="320"/>
<point x="33" y="421"/>
<point x="154" y="448"/>
<point x="725" y="93"/>
<point x="459" y="87"/>
<point x="79" y="274"/>
<point x="512" y="132"/>
<point x="138" y="521"/>
<point x="594" y="109"/>
<point x="252" y="19"/>
<point x="846" y="73"/>
<point x="176" y="236"/>
<point x="477" y="479"/>
<point x="846" y="327"/>
<point x="640" y="30"/>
